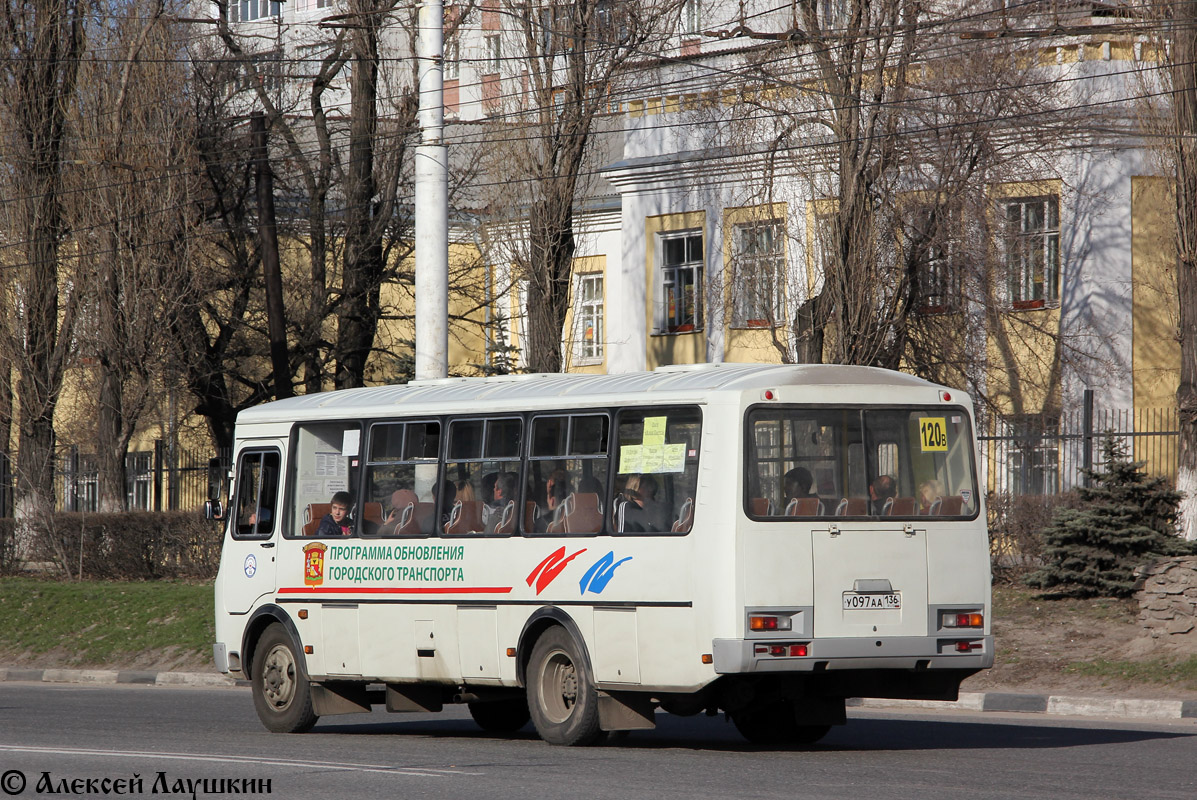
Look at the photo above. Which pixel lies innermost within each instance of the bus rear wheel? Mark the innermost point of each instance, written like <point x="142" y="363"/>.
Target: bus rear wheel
<point x="562" y="699"/>
<point x="282" y="693"/>
<point x="501" y="716"/>
<point x="776" y="723"/>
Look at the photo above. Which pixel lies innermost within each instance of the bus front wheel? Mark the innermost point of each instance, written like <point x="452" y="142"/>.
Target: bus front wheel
<point x="562" y="699"/>
<point x="282" y="694"/>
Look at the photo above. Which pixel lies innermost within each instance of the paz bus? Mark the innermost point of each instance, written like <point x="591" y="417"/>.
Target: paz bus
<point x="583" y="550"/>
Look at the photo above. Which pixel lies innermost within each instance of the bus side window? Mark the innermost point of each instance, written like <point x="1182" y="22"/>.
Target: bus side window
<point x="257" y="493"/>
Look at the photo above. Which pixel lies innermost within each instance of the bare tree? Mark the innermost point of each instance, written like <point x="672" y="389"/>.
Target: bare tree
<point x="572" y="59"/>
<point x="130" y="204"/>
<point x="44" y="41"/>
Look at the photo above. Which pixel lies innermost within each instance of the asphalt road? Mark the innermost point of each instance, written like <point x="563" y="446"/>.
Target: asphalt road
<point x="75" y="733"/>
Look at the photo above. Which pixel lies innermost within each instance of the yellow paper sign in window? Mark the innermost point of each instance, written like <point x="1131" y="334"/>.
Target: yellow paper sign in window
<point x="933" y="434"/>
<point x="654" y="430"/>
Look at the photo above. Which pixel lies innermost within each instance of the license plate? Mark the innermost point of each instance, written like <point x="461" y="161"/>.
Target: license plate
<point x="872" y="602"/>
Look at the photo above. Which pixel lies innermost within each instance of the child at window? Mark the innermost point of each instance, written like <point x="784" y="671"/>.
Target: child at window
<point x="337" y="522"/>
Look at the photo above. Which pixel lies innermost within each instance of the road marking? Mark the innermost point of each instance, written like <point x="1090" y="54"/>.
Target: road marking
<point x="418" y="772"/>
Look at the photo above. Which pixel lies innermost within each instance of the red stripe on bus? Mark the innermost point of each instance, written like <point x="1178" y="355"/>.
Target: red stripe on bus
<point x="396" y="590"/>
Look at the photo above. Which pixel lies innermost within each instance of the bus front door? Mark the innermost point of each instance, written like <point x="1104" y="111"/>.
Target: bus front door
<point x="247" y="562"/>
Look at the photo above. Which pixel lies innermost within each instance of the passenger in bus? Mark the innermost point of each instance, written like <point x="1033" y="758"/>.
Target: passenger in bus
<point x="881" y="490"/>
<point x="557" y="488"/>
<point x="448" y="497"/>
<point x="797" y="483"/>
<point x="929" y="494"/>
<point x="465" y="491"/>
<point x="504" y="494"/>
<point x="642" y="512"/>
<point x="336" y="522"/>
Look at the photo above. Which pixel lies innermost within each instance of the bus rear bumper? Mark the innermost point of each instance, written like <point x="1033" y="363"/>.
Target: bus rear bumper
<point x="738" y="656"/>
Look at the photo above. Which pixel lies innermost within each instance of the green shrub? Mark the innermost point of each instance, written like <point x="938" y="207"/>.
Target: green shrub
<point x="1123" y="519"/>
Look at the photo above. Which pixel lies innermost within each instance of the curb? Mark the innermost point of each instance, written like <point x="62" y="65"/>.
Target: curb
<point x="122" y="676"/>
<point x="1060" y="705"/>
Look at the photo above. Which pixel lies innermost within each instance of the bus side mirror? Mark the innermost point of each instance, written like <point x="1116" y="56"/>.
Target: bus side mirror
<point x="215" y="478"/>
<point x="213" y="508"/>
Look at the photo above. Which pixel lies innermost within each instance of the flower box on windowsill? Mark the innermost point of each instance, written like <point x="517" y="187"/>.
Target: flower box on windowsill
<point x="687" y="328"/>
<point x="1021" y="305"/>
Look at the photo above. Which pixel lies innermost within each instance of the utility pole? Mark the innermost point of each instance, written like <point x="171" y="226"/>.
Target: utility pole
<point x="432" y="201"/>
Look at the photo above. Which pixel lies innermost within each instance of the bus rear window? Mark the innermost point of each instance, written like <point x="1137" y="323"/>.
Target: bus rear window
<point x="859" y="462"/>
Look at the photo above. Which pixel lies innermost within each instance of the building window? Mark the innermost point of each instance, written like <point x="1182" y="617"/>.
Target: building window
<point x="1033" y="457"/>
<point x="758" y="271"/>
<point x="681" y="282"/>
<point x="1032" y="243"/>
<point x="494" y="53"/>
<point x="692" y="17"/>
<point x="452" y="60"/>
<point x="934" y="232"/>
<point x="248" y="10"/>
<point x="590" y="316"/>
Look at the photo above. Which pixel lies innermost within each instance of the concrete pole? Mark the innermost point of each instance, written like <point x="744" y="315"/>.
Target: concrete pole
<point x="432" y="201"/>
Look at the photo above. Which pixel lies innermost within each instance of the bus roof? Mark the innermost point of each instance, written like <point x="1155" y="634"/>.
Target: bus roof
<point x="682" y="381"/>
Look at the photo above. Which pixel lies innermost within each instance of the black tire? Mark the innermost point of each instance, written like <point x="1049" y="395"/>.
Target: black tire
<point x="562" y="700"/>
<point x="501" y="716"/>
<point x="775" y="724"/>
<point x="282" y="693"/>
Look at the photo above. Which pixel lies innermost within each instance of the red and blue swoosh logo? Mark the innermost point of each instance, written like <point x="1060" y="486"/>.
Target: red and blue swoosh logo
<point x="595" y="579"/>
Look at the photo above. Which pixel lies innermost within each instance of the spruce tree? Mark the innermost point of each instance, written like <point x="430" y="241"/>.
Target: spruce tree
<point x="1124" y="519"/>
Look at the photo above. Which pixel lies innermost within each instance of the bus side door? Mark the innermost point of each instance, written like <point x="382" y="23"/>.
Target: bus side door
<point x="248" y="559"/>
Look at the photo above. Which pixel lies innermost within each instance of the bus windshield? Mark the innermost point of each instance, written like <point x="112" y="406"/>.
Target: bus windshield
<point x="804" y="461"/>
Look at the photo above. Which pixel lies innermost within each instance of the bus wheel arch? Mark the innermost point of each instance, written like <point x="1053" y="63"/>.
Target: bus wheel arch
<point x="537" y="624"/>
<point x="262" y="619"/>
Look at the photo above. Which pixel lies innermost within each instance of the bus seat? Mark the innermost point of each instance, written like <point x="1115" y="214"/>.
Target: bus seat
<point x="507" y="521"/>
<point x="902" y="507"/>
<point x="312" y="516"/>
<point x="416" y="519"/>
<point x="557" y="523"/>
<point x="760" y="507"/>
<point x="531" y="512"/>
<point x="373" y="512"/>
<point x="805" y="507"/>
<point x="952" y="506"/>
<point x="853" y="507"/>
<point x="466" y="517"/>
<point x="685" y="517"/>
<point x="582" y="514"/>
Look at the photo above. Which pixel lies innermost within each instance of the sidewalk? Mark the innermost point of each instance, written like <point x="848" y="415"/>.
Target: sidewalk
<point x="1061" y="705"/>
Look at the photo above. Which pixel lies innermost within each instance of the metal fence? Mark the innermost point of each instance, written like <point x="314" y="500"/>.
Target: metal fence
<point x="161" y="479"/>
<point x="1047" y="454"/>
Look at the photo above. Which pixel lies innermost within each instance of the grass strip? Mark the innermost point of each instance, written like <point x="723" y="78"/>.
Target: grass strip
<point x="91" y="623"/>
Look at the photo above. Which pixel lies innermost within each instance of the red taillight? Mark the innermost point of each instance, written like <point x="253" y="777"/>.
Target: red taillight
<point x="768" y="622"/>
<point x="967" y="647"/>
<point x="798" y="650"/>
<point x="947" y="397"/>
<point x="969" y="620"/>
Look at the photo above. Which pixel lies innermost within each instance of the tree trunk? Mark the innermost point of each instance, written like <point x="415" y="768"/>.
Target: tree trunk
<point x="276" y="317"/>
<point x="358" y="313"/>
<point x="1184" y="85"/>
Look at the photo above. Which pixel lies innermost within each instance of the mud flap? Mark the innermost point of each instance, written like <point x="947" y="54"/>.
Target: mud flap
<point x="339" y="698"/>
<point x="625" y="711"/>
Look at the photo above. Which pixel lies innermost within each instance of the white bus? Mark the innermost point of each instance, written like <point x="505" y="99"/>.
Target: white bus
<point x="581" y="550"/>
